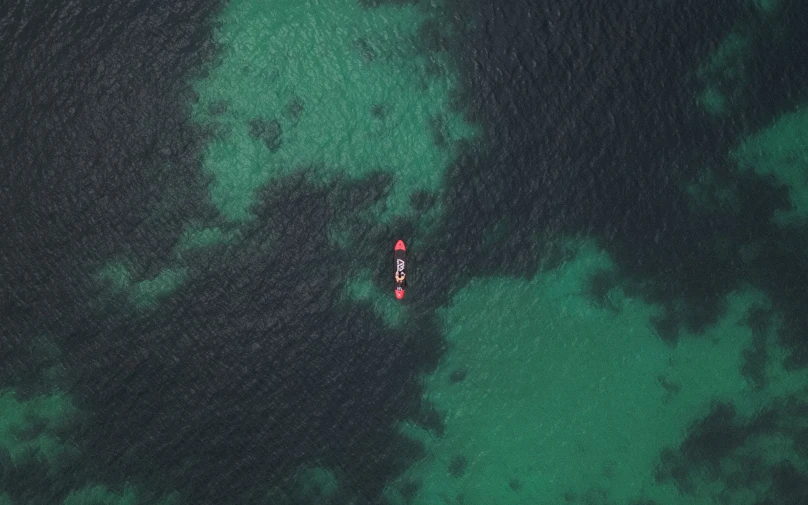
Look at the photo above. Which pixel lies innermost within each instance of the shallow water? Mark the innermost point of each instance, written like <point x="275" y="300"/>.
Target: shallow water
<point x="605" y="209"/>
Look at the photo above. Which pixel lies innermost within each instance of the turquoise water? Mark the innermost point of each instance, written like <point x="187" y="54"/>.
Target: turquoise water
<point x="559" y="383"/>
<point x="564" y="398"/>
<point x="330" y="88"/>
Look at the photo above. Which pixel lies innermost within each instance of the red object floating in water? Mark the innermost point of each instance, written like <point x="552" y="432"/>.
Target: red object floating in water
<point x="400" y="268"/>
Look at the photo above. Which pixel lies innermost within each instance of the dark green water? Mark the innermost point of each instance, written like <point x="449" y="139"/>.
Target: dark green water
<point x="605" y="205"/>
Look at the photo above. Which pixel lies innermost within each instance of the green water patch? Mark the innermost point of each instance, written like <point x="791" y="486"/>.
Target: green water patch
<point x="332" y="88"/>
<point x="316" y="484"/>
<point x="548" y="396"/>
<point x="709" y="192"/>
<point x="199" y="237"/>
<point x="102" y="495"/>
<point x="713" y="100"/>
<point x="148" y="291"/>
<point x="312" y="484"/>
<point x="730" y="68"/>
<point x="751" y="449"/>
<point x="780" y="153"/>
<point x="767" y="7"/>
<point x="120" y="277"/>
<point x="33" y="441"/>
<point x="143" y="293"/>
<point x="361" y="288"/>
<point x="28" y="428"/>
<point x="724" y="74"/>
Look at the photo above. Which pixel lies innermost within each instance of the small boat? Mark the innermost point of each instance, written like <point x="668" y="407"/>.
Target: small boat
<point x="400" y="268"/>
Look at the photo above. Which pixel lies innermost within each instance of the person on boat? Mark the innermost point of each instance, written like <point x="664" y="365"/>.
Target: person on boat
<point x="400" y="277"/>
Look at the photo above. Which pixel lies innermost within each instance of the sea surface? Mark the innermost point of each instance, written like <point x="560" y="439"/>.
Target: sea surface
<point x="606" y="210"/>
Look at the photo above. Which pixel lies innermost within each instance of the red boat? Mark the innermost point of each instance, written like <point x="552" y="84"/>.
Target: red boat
<point x="400" y="268"/>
